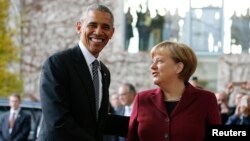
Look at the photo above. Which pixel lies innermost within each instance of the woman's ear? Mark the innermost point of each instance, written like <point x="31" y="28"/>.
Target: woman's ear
<point x="179" y="67"/>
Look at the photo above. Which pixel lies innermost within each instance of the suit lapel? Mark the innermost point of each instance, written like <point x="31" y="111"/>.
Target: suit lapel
<point x="82" y="69"/>
<point x="105" y="84"/>
<point x="105" y="91"/>
<point x="17" y="121"/>
<point x="188" y="98"/>
<point x="158" y="101"/>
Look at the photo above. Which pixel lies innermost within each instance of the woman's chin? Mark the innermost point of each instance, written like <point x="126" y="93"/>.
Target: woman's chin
<point x="156" y="82"/>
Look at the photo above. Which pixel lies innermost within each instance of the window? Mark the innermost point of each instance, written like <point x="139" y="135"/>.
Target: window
<point x="209" y="27"/>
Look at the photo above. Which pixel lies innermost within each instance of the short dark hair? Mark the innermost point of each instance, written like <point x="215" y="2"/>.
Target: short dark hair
<point x="98" y="7"/>
<point x="131" y="88"/>
<point x="15" y="95"/>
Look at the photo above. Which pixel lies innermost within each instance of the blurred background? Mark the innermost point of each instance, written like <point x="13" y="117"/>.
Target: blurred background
<point x="217" y="30"/>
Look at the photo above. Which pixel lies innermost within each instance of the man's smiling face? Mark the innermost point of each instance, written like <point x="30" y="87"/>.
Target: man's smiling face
<point x="96" y="30"/>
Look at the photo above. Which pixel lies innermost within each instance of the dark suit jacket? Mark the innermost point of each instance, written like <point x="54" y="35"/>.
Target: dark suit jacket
<point x="121" y="112"/>
<point x="123" y="127"/>
<point x="68" y="100"/>
<point x="238" y="120"/>
<point x="21" y="129"/>
<point x="150" y="121"/>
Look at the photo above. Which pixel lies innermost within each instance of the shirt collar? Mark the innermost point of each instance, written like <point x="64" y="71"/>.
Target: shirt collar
<point x="15" y="111"/>
<point x="87" y="55"/>
<point x="129" y="107"/>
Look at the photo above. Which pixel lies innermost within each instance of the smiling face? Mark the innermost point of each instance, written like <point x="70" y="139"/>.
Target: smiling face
<point x="95" y="30"/>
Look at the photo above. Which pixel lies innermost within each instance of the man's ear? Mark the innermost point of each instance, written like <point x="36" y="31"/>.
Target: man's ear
<point x="179" y="67"/>
<point x="78" y="27"/>
<point x="113" y="30"/>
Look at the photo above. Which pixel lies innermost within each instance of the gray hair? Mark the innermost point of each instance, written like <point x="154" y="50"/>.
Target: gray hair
<point x="98" y="7"/>
<point x="131" y="87"/>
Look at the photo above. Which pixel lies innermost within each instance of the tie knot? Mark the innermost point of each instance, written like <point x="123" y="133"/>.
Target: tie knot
<point x="95" y="64"/>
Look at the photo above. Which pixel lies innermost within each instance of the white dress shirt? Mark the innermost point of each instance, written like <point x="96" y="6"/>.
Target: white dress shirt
<point x="16" y="112"/>
<point x="128" y="110"/>
<point x="90" y="59"/>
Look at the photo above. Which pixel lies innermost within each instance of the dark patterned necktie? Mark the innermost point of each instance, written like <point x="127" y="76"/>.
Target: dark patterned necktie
<point x="95" y="66"/>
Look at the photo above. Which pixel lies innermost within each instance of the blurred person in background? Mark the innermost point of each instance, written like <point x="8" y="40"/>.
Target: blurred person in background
<point x="114" y="102"/>
<point x="242" y="112"/>
<point x="236" y="101"/>
<point x="222" y="101"/>
<point x="245" y="85"/>
<point x="15" y="124"/>
<point x="126" y="94"/>
<point x="235" y="90"/>
<point x="176" y="110"/>
<point x="115" y="107"/>
<point x="128" y="28"/>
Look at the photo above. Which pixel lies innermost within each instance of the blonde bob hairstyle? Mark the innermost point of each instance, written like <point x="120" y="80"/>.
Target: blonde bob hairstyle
<point x="179" y="52"/>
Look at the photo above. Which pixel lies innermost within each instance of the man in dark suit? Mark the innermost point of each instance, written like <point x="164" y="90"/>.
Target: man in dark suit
<point x="73" y="107"/>
<point x="15" y="124"/>
<point x="127" y="93"/>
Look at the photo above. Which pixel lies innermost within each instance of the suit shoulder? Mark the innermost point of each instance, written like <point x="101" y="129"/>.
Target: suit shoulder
<point x="205" y="93"/>
<point x="5" y="114"/>
<point x="146" y="93"/>
<point x="59" y="56"/>
<point x="24" y="113"/>
<point x="105" y="69"/>
<point x="149" y="91"/>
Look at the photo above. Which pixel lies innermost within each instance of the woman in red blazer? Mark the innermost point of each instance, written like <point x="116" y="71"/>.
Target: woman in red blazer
<point x="176" y="111"/>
